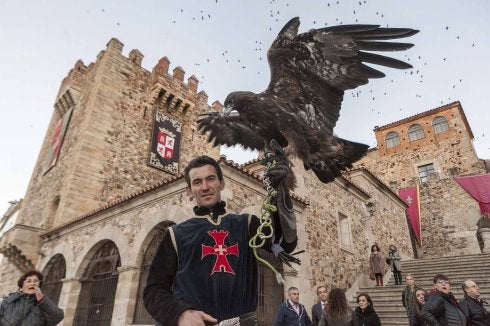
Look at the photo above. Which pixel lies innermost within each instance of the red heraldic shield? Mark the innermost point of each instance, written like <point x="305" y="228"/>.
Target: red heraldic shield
<point x="411" y="197"/>
<point x="221" y="251"/>
<point x="165" y="146"/>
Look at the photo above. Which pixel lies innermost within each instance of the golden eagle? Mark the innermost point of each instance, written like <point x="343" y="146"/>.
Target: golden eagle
<point x="300" y="107"/>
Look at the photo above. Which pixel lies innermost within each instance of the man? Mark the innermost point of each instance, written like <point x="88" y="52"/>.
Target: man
<point x="472" y="305"/>
<point x="318" y="308"/>
<point x="204" y="271"/>
<point x="291" y="312"/>
<point x="441" y="307"/>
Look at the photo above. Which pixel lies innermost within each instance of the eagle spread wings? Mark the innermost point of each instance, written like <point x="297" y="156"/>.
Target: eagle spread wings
<point x="300" y="107"/>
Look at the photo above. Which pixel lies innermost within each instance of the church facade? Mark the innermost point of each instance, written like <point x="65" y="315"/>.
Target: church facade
<point x="108" y="182"/>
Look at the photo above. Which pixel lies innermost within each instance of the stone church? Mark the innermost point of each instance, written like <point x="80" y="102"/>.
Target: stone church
<point x="108" y="182"/>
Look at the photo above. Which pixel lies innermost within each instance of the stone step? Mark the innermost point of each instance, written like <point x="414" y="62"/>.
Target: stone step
<point x="387" y="299"/>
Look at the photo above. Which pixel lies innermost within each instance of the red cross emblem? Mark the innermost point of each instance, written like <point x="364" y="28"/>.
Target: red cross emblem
<point x="221" y="251"/>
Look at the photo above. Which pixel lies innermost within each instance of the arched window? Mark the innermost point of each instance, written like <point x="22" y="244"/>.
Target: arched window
<point x="99" y="283"/>
<point x="53" y="273"/>
<point x="416" y="132"/>
<point x="440" y="125"/>
<point x="392" y="139"/>
<point x="141" y="316"/>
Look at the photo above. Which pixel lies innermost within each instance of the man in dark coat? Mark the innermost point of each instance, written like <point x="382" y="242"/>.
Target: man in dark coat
<point x="204" y="270"/>
<point x="318" y="308"/>
<point x="441" y="307"/>
<point x="291" y="312"/>
<point x="472" y="305"/>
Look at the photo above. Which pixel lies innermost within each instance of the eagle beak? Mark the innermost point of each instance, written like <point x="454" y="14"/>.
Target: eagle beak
<point x="228" y="110"/>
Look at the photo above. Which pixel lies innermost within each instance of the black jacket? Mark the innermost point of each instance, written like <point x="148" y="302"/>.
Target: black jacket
<point x="316" y="313"/>
<point x="367" y="317"/>
<point x="442" y="309"/>
<point x="474" y="310"/>
<point x="286" y="316"/>
<point x="414" y="315"/>
<point x="20" y="309"/>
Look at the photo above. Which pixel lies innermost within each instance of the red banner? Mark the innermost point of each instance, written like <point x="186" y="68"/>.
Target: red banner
<point x="478" y="186"/>
<point x="58" y="136"/>
<point x="411" y="197"/>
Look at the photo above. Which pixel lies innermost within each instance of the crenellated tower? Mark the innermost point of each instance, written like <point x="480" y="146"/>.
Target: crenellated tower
<point x="104" y="140"/>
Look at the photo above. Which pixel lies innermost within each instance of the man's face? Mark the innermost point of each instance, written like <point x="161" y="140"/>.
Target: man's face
<point x="473" y="290"/>
<point x="205" y="185"/>
<point x="322" y="294"/>
<point x="443" y="286"/>
<point x="30" y="284"/>
<point x="294" y="296"/>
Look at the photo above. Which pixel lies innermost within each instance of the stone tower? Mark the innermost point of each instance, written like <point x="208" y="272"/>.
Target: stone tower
<point x="97" y="147"/>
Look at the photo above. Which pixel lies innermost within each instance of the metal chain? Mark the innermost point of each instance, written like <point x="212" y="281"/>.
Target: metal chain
<point x="266" y="222"/>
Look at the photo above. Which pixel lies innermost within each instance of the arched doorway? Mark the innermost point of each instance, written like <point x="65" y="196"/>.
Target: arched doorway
<point x="98" y="291"/>
<point x="271" y="293"/>
<point x="53" y="273"/>
<point x="141" y="316"/>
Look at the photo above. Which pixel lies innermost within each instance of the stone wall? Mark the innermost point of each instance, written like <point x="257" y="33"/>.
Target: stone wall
<point x="448" y="214"/>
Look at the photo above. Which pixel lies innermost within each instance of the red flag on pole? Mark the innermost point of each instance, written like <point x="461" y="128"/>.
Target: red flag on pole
<point x="411" y="196"/>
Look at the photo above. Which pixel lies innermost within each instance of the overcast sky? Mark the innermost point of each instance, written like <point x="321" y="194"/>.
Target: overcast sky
<point x="224" y="44"/>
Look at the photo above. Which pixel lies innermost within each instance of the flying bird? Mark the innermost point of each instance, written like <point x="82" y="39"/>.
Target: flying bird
<point x="299" y="109"/>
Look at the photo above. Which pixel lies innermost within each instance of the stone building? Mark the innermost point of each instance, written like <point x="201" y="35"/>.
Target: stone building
<point x="108" y="182"/>
<point x="428" y="150"/>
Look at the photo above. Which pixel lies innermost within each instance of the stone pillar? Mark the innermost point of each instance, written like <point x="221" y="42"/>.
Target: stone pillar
<point x="485" y="234"/>
<point x="127" y="290"/>
<point x="69" y="299"/>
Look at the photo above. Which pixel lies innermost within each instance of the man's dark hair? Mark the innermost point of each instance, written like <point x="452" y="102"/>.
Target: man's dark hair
<point x="319" y="287"/>
<point x="440" y="277"/>
<point x="32" y="272"/>
<point x="292" y="288"/>
<point x="202" y="161"/>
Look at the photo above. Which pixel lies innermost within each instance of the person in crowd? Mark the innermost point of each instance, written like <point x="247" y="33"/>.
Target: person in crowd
<point x="441" y="307"/>
<point x="472" y="305"/>
<point x="377" y="263"/>
<point x="337" y="313"/>
<point x="408" y="294"/>
<point x="364" y="314"/>
<point x="291" y="312"/>
<point x="190" y="281"/>
<point x="319" y="307"/>
<point x="395" y="265"/>
<point x="418" y="302"/>
<point x="29" y="306"/>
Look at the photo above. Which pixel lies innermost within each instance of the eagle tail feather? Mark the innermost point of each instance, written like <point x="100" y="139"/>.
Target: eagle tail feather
<point x="327" y="171"/>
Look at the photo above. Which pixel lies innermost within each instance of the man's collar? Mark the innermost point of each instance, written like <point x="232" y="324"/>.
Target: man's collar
<point x="218" y="209"/>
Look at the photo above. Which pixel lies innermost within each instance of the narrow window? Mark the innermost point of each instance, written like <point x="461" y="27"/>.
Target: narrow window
<point x="345" y="237"/>
<point x="424" y="171"/>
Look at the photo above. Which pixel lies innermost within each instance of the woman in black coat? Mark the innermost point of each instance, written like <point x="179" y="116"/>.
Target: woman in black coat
<point x="364" y="315"/>
<point x="419" y="301"/>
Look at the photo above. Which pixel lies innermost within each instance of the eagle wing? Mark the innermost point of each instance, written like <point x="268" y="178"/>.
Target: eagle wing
<point x="229" y="130"/>
<point x="313" y="69"/>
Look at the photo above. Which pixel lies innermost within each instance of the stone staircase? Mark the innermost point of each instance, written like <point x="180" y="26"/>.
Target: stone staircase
<point x="387" y="300"/>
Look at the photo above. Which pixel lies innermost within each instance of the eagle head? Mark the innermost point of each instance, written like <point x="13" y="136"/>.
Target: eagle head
<point x="236" y="101"/>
